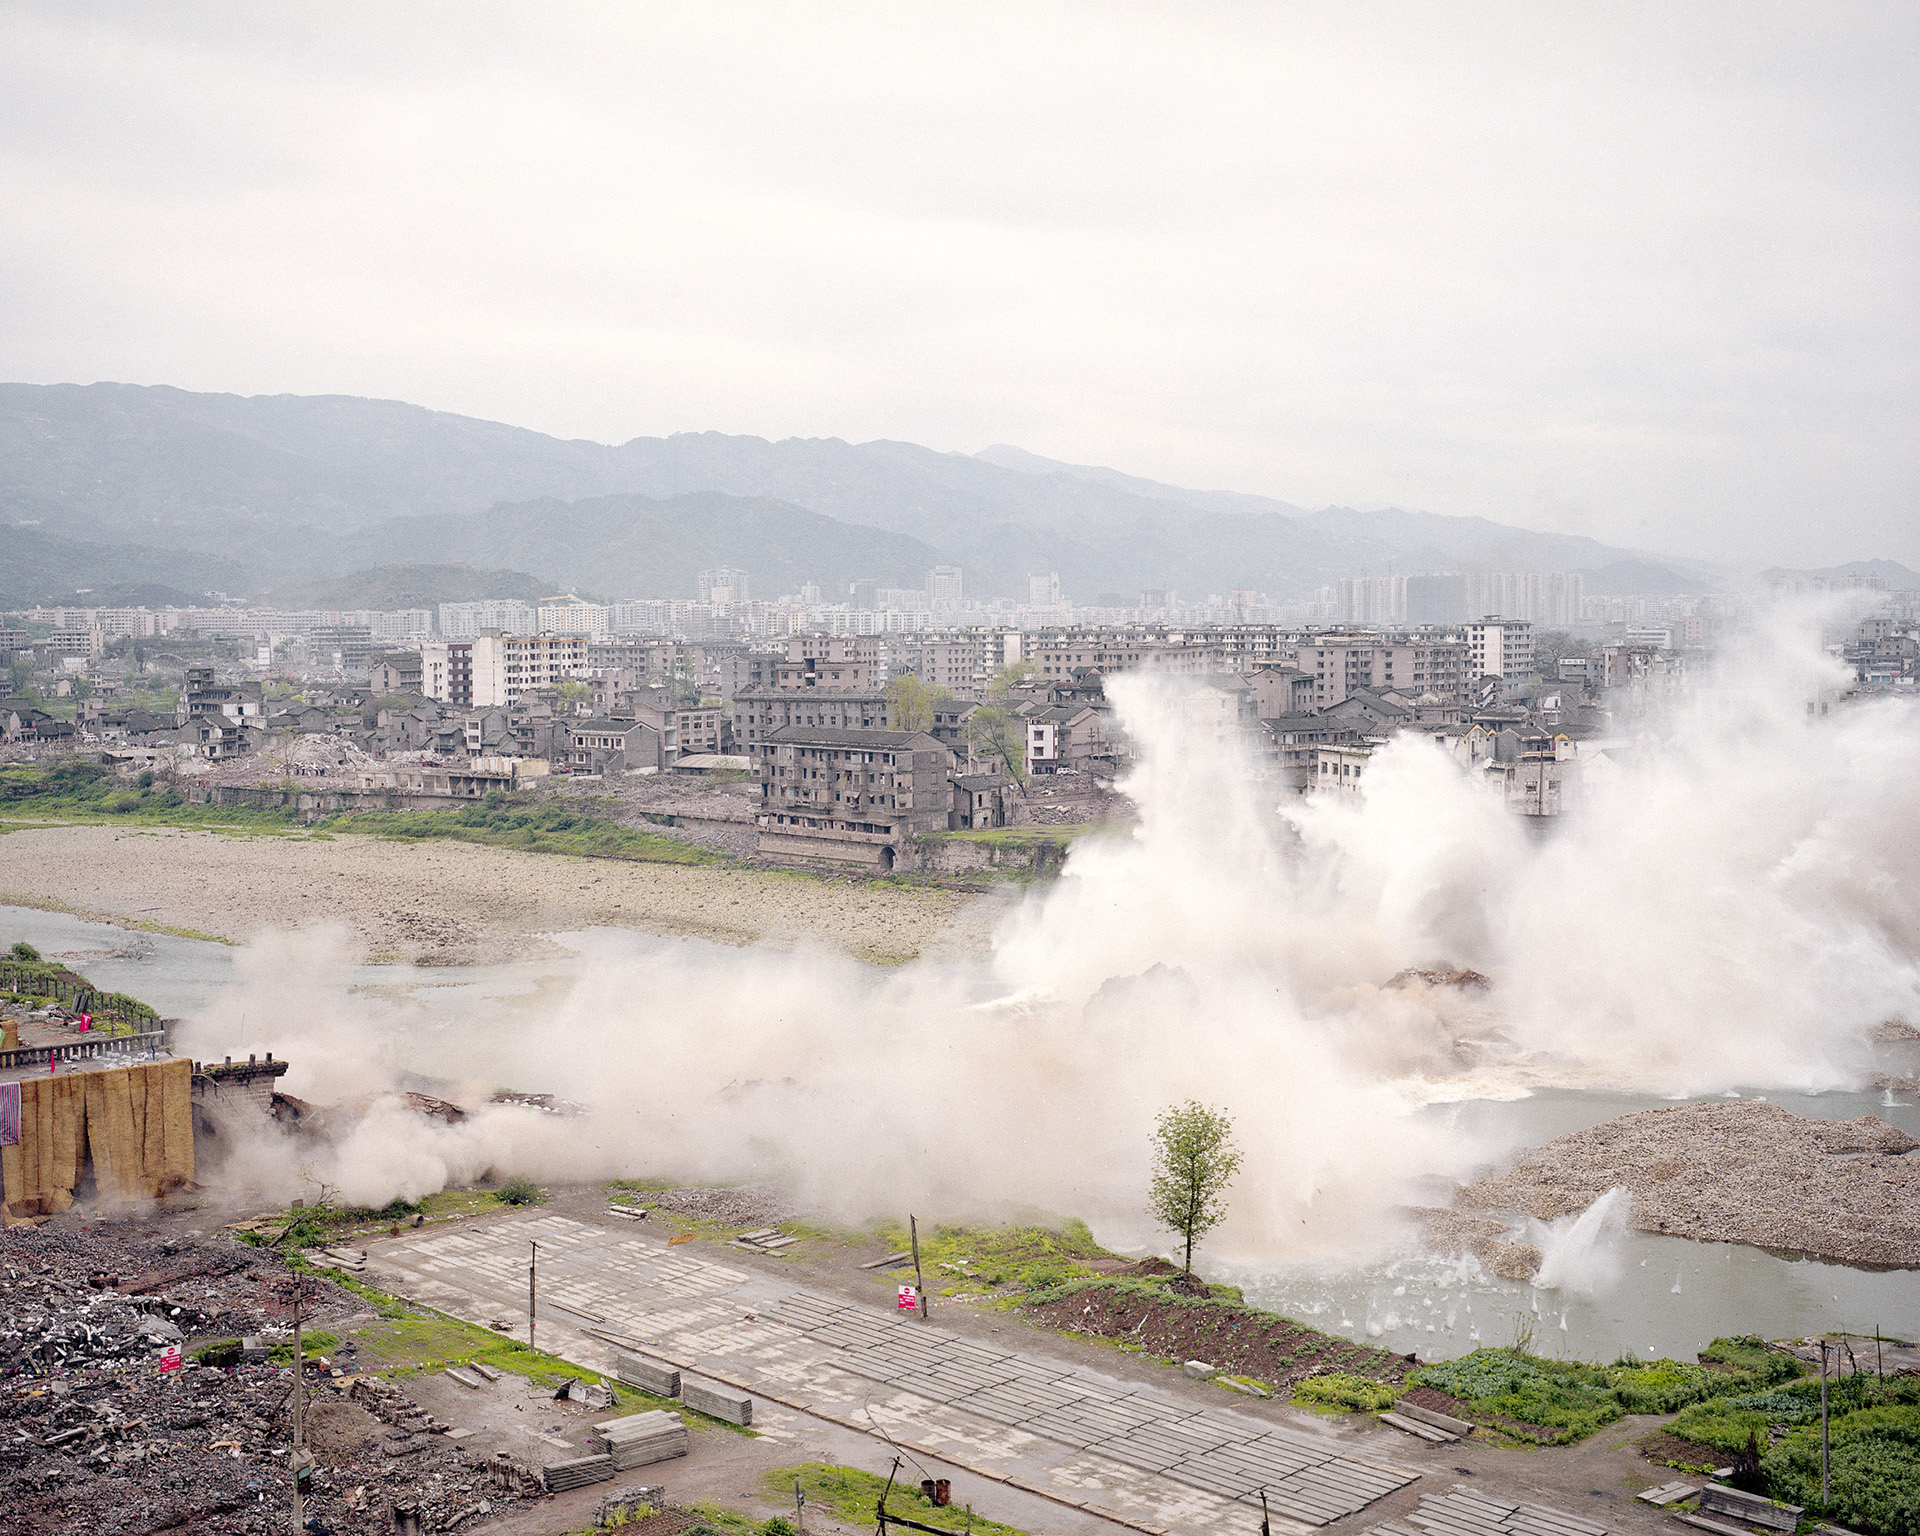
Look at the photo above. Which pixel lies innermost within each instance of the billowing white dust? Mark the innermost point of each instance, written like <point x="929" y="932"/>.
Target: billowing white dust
<point x="1733" y="902"/>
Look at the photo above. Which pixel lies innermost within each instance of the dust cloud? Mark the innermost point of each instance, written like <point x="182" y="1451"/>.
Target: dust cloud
<point x="1732" y="904"/>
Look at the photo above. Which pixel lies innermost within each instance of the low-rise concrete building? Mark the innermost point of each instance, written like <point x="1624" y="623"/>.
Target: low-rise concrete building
<point x="849" y="797"/>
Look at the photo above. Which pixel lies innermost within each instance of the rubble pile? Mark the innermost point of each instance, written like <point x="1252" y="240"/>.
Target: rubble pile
<point x="741" y="1207"/>
<point x="1743" y="1172"/>
<point x="105" y="1277"/>
<point x="95" y="1435"/>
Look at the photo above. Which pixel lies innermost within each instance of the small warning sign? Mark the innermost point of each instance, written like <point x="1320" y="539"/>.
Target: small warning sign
<point x="909" y="1298"/>
<point x="170" y="1358"/>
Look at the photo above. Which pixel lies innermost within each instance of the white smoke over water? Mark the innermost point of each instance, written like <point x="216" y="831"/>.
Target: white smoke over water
<point x="1735" y="907"/>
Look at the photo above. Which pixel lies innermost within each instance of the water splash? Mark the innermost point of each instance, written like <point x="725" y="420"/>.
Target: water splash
<point x="1581" y="1255"/>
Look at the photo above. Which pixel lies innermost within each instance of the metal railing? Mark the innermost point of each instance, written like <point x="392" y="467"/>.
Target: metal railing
<point x="151" y="1046"/>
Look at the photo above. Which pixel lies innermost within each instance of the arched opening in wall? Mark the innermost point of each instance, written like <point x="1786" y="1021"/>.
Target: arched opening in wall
<point x="886" y="860"/>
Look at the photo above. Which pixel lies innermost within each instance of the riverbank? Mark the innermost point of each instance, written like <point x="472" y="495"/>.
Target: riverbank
<point x="444" y="903"/>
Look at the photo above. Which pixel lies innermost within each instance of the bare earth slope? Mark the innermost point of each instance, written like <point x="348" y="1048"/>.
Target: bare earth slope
<point x="457" y="904"/>
<point x="1746" y="1172"/>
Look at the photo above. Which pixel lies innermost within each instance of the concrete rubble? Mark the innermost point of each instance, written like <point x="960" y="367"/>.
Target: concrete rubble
<point x="95" y="1436"/>
<point x="1737" y="1172"/>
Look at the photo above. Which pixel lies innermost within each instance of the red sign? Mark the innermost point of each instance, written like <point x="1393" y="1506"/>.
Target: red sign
<point x="170" y="1358"/>
<point x="908" y="1300"/>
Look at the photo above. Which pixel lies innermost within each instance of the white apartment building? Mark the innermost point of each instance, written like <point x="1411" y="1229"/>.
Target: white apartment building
<point x="462" y="621"/>
<point x="945" y="592"/>
<point x="506" y="666"/>
<point x="1499" y="647"/>
<point x="570" y="616"/>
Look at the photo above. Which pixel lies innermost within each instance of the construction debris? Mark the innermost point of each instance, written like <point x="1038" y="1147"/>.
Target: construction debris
<point x="640" y="1439"/>
<point x="104" y="1427"/>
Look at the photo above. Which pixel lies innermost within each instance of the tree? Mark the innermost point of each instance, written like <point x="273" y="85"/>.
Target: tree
<point x="1010" y="677"/>
<point x="999" y="736"/>
<point x="912" y="704"/>
<point x="1194" y="1160"/>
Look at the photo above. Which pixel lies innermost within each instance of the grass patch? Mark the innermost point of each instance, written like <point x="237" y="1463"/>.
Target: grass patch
<point x="549" y="826"/>
<point x="1021" y="837"/>
<point x="407" y="1340"/>
<point x="852" y="1496"/>
<point x="1359" y="1394"/>
<point x="1029" y="1258"/>
<point x="1559" y="1401"/>
<point x="78" y="790"/>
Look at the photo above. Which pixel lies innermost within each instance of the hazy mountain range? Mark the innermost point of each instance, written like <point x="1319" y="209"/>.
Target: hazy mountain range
<point x="123" y="489"/>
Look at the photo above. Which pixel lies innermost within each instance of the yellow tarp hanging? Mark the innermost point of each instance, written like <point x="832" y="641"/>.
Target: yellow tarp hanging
<point x="133" y="1125"/>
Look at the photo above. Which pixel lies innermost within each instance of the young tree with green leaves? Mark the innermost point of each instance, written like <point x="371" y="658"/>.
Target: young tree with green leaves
<point x="999" y="735"/>
<point x="1194" y="1160"/>
<point x="912" y="704"/>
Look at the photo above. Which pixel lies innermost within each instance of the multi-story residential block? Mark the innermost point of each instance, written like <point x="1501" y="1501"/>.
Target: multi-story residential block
<point x="462" y="621"/>
<point x="1501" y="648"/>
<point x="503" y="666"/>
<point x="757" y="714"/>
<point x="849" y="797"/>
<point x="725" y="584"/>
<point x="837" y="663"/>
<point x="1338" y="769"/>
<point x="568" y="615"/>
<point x="1340" y="662"/>
<point x="964" y="662"/>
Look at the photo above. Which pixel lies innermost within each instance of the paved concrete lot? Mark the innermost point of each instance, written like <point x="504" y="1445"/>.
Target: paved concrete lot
<point x="1105" y="1447"/>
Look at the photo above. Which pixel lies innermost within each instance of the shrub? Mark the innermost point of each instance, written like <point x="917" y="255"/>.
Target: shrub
<point x="1339" y="1390"/>
<point x="1665" y="1386"/>
<point x="1875" y="1464"/>
<point x="1751" y="1353"/>
<point x="22" y="950"/>
<point x="519" y="1191"/>
<point x="1571" y="1400"/>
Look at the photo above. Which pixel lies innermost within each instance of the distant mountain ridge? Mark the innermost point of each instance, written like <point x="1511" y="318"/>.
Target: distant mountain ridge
<point x="279" y="491"/>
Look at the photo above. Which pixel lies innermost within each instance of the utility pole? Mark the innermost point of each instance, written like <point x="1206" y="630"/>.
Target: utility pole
<point x="1826" y="1479"/>
<point x="533" y="1269"/>
<point x="302" y="1462"/>
<point x="919" y="1284"/>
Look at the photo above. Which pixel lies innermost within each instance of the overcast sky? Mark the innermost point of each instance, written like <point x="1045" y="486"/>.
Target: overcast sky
<point x="1645" y="272"/>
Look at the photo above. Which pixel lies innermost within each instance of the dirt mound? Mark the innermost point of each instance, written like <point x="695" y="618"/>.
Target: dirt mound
<point x="1238" y="1341"/>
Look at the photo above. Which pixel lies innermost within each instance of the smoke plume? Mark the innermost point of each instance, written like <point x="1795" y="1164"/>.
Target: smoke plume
<point x="1732" y="902"/>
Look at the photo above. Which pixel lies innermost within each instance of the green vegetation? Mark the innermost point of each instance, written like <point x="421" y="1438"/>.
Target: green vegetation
<point x="22" y="950"/>
<point x="1018" y="837"/>
<point x="852" y="1495"/>
<point x="1194" y="1160"/>
<point x="1875" y="1454"/>
<point x="518" y="1191"/>
<point x="37" y="982"/>
<point x="315" y="1341"/>
<point x="911" y="704"/>
<point x="79" y="790"/>
<point x="969" y="1258"/>
<point x="534" y="827"/>
<point x="1559" y="1401"/>
<point x="1339" y="1390"/>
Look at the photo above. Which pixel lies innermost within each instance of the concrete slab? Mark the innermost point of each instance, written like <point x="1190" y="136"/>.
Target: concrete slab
<point x="1063" y="1432"/>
